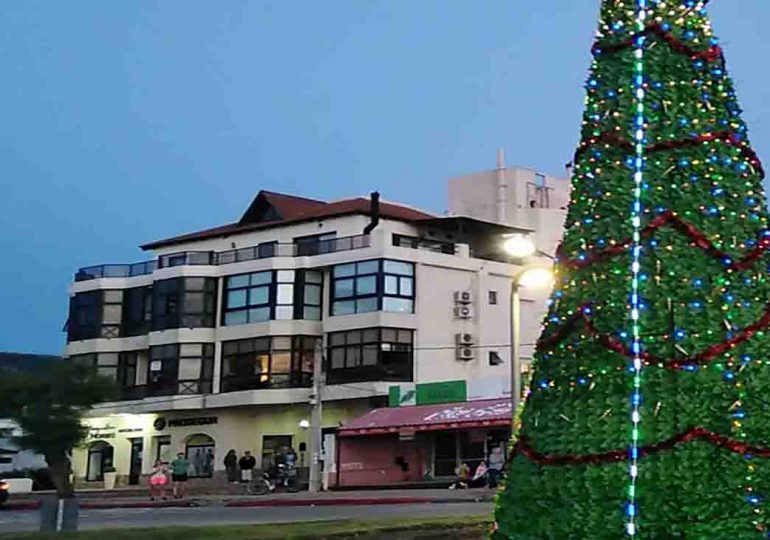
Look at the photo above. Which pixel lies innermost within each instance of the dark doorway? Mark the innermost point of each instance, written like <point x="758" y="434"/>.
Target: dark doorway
<point x="135" y="469"/>
<point x="100" y="456"/>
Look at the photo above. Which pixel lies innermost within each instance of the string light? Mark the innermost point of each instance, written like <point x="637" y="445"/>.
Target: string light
<point x="636" y="252"/>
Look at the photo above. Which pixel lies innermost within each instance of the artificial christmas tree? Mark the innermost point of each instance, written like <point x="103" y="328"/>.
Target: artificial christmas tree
<point x="649" y="410"/>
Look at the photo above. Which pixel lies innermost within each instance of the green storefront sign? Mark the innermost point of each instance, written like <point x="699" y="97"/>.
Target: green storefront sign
<point x="427" y="393"/>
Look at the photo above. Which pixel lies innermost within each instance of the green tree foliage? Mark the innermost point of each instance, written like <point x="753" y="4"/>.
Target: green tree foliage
<point x="704" y="470"/>
<point x="48" y="406"/>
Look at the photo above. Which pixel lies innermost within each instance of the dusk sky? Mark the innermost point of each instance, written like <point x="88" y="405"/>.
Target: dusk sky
<point x="125" y="122"/>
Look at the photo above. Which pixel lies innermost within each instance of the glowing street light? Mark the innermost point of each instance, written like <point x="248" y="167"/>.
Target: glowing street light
<point x="519" y="246"/>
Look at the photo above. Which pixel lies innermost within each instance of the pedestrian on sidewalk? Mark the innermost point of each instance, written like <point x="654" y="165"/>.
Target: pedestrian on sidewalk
<point x="231" y="466"/>
<point x="158" y="480"/>
<point x="247" y="464"/>
<point x="496" y="464"/>
<point x="180" y="468"/>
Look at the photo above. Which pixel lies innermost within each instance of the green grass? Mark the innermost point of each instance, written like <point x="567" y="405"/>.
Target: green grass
<point x="471" y="528"/>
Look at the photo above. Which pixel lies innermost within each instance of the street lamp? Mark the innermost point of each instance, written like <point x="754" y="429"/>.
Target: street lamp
<point x="532" y="277"/>
<point x="519" y="246"/>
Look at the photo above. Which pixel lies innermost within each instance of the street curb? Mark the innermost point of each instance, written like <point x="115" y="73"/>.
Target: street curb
<point x="351" y="501"/>
<point x="344" y="501"/>
<point x="85" y="505"/>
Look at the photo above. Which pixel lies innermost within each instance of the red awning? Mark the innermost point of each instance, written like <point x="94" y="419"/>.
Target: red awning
<point x="467" y="415"/>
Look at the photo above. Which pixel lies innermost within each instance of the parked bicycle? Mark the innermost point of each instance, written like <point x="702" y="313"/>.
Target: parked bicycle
<point x="285" y="479"/>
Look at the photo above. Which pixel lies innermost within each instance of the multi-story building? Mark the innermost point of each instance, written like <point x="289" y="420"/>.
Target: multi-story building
<point x="212" y="340"/>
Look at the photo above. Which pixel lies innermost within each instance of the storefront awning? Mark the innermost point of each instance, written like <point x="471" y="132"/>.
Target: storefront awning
<point x="468" y="415"/>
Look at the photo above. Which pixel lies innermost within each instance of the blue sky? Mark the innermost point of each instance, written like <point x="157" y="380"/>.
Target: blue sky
<point x="124" y="122"/>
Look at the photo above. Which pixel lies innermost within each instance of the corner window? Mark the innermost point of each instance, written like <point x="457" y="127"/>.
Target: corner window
<point x="272" y="295"/>
<point x="247" y="298"/>
<point x="184" y="303"/>
<point x="267" y="362"/>
<point x="95" y="314"/>
<point x="377" y="285"/>
<point x="137" y="311"/>
<point x="372" y="354"/>
<point x="314" y="244"/>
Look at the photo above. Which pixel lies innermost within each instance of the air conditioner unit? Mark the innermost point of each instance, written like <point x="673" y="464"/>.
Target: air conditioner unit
<point x="462" y="297"/>
<point x="464" y="353"/>
<point x="464" y="338"/>
<point x="463" y="312"/>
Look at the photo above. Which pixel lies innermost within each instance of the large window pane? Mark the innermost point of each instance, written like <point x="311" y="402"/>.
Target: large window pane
<point x="236" y="317"/>
<point x="344" y="308"/>
<point x="259" y="314"/>
<point x="285" y="294"/>
<point x="366" y="305"/>
<point x="285" y="276"/>
<point x="406" y="286"/>
<point x="313" y="295"/>
<point x="391" y="285"/>
<point x="401" y="268"/>
<point x="238" y="281"/>
<point x="344" y="270"/>
<point x="312" y="313"/>
<point x="259" y="295"/>
<point x="261" y="278"/>
<point x="344" y="288"/>
<point x="366" y="285"/>
<point x="397" y="305"/>
<point x="368" y="267"/>
<point x="338" y="358"/>
<point x="284" y="313"/>
<point x="313" y="277"/>
<point x="236" y="299"/>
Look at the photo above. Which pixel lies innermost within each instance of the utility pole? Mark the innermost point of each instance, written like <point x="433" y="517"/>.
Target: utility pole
<point x="316" y="421"/>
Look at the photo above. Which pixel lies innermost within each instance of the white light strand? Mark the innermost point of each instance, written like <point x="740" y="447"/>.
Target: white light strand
<point x="632" y="528"/>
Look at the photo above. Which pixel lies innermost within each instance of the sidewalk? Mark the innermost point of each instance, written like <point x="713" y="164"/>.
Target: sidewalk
<point x="133" y="498"/>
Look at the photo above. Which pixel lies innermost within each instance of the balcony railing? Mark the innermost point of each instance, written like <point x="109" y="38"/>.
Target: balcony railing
<point x="115" y="271"/>
<point x="413" y="242"/>
<point x="211" y="258"/>
<point x="179" y="388"/>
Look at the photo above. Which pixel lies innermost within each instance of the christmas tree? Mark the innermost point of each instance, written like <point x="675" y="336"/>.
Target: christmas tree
<point x="648" y="414"/>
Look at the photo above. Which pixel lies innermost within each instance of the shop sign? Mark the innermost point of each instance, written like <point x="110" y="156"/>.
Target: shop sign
<point x="130" y="430"/>
<point x="184" y="422"/>
<point x="106" y="432"/>
<point x="427" y="393"/>
<point x="470" y="412"/>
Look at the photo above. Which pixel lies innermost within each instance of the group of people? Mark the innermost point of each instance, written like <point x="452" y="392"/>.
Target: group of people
<point x="178" y="470"/>
<point x="489" y="472"/>
<point x="242" y="469"/>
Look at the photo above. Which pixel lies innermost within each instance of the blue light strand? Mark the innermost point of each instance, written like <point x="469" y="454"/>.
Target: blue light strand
<point x="632" y="512"/>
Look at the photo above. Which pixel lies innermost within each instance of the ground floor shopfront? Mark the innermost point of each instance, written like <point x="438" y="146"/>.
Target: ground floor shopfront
<point x="130" y="443"/>
<point x="419" y="443"/>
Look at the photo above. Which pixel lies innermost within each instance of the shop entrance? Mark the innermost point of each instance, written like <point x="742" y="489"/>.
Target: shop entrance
<point x="100" y="457"/>
<point x="200" y="451"/>
<point x="451" y="448"/>
<point x="135" y="468"/>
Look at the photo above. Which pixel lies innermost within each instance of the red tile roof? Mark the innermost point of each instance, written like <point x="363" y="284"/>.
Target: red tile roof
<point x="469" y="414"/>
<point x="296" y="210"/>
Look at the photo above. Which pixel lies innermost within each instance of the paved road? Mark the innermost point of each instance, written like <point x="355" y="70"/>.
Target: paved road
<point x="14" y="520"/>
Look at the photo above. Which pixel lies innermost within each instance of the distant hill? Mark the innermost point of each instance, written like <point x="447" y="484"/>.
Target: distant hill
<point x="26" y="362"/>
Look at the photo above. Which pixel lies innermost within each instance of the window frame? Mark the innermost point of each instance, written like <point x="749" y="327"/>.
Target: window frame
<point x="381" y="275"/>
<point x="356" y="344"/>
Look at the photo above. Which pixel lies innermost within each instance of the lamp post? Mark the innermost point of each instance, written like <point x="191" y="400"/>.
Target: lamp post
<point x="520" y="247"/>
<point x="529" y="276"/>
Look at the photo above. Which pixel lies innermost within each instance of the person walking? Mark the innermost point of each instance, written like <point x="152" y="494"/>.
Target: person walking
<point x="247" y="464"/>
<point x="179" y="471"/>
<point x="496" y="464"/>
<point x="231" y="466"/>
<point x="158" y="480"/>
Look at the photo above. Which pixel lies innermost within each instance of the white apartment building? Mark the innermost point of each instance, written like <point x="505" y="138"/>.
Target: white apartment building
<point x="211" y="340"/>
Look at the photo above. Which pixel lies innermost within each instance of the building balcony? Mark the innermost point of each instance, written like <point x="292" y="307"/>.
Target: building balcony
<point x="190" y="387"/>
<point x="264" y="382"/>
<point x="211" y="258"/>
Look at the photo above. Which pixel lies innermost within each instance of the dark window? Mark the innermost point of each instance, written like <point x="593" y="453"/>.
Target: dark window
<point x="494" y="359"/>
<point x="184" y="303"/>
<point x="106" y="364"/>
<point x="376" y="285"/>
<point x="271" y="447"/>
<point x="137" y="311"/>
<point x="132" y="374"/>
<point x="414" y="242"/>
<point x="308" y="293"/>
<point x="267" y="362"/>
<point x="372" y="354"/>
<point x="315" y="244"/>
<point x="164" y="366"/>
<point x="181" y="369"/>
<point x="95" y="314"/>
<point x="493" y="297"/>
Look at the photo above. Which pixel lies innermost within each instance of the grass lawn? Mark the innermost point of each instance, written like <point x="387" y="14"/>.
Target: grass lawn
<point x="460" y="528"/>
